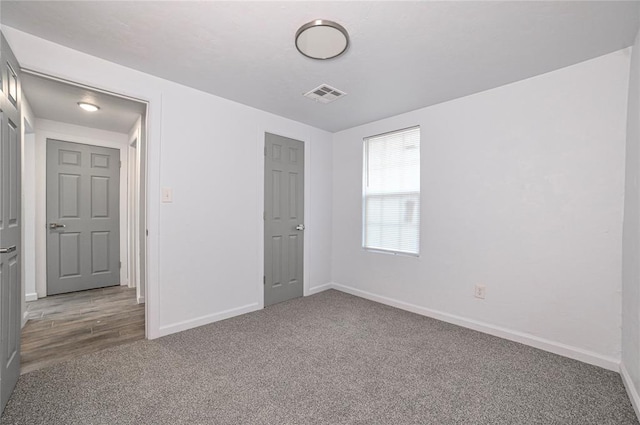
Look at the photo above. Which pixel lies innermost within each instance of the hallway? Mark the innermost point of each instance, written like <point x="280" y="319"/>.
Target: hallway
<point x="63" y="327"/>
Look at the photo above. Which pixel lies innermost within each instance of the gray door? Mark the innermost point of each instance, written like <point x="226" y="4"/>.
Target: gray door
<point x="83" y="217"/>
<point x="284" y="218"/>
<point x="10" y="225"/>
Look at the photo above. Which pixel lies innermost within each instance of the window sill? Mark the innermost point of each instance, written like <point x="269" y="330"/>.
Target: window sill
<point x="393" y="253"/>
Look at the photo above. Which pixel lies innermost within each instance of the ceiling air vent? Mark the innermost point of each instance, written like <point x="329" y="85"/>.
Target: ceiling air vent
<point x="325" y="94"/>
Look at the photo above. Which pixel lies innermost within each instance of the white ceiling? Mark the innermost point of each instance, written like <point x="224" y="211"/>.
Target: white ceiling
<point x="403" y="55"/>
<point x="53" y="100"/>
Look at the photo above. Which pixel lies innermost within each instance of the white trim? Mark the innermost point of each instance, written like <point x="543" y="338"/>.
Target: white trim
<point x="205" y="320"/>
<point x="631" y="389"/>
<point x="31" y="297"/>
<point x="318" y="289"/>
<point x="152" y="140"/>
<point x="132" y="179"/>
<point x="140" y="300"/>
<point x="46" y="130"/>
<point x="261" y="145"/>
<point x="565" y="350"/>
<point x="308" y="213"/>
<point x="24" y="319"/>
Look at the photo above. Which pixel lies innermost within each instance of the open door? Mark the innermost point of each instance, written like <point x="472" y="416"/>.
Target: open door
<point x="10" y="225"/>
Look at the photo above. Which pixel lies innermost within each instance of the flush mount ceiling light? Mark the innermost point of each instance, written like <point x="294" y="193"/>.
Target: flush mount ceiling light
<point x="322" y="39"/>
<point x="88" y="106"/>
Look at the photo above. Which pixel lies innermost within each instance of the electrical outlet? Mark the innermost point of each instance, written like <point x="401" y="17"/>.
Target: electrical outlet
<point x="480" y="291"/>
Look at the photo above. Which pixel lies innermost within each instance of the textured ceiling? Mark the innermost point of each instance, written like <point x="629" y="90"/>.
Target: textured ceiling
<point x="403" y="55"/>
<point x="53" y="100"/>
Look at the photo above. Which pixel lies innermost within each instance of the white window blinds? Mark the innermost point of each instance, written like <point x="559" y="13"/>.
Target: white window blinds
<point x="391" y="195"/>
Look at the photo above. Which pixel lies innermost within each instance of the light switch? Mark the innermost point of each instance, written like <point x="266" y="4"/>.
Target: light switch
<point x="167" y="194"/>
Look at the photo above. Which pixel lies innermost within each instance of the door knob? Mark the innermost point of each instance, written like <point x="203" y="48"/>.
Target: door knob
<point x="7" y="250"/>
<point x="300" y="227"/>
<point x="56" y="226"/>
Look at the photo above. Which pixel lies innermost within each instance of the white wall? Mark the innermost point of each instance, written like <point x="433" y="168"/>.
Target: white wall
<point x="522" y="191"/>
<point x="205" y="253"/>
<point x="213" y="159"/>
<point x="630" y="367"/>
<point x="46" y="129"/>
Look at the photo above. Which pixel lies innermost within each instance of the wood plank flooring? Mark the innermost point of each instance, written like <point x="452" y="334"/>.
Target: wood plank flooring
<point x="62" y="327"/>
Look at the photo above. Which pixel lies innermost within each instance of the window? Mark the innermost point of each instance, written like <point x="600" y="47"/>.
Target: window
<point x="391" y="194"/>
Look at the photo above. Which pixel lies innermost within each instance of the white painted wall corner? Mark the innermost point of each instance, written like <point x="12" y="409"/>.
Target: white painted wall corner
<point x="31" y="297"/>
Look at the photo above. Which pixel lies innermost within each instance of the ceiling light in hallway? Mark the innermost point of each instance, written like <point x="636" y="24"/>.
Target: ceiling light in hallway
<point x="88" y="106"/>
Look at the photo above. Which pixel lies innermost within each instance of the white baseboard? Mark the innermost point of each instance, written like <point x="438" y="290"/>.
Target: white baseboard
<point x="565" y="350"/>
<point x="31" y="297"/>
<point x="631" y="389"/>
<point x="140" y="300"/>
<point x="24" y="319"/>
<point x="205" y="320"/>
<point x="318" y="289"/>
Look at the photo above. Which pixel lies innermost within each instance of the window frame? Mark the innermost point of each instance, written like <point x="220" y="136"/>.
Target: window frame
<point x="365" y="170"/>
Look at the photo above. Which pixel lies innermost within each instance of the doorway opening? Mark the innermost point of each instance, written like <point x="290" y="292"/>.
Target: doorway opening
<point x="85" y="205"/>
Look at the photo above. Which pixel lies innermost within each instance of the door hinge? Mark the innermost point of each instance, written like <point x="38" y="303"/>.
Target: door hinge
<point x="147" y="232"/>
<point x="264" y="280"/>
<point x="120" y="264"/>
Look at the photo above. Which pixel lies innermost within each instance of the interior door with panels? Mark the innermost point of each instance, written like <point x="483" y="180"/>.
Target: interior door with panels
<point x="10" y="223"/>
<point x="283" y="219"/>
<point x="83" y="207"/>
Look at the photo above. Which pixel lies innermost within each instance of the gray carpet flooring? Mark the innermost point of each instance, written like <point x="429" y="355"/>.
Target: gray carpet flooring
<point x="326" y="359"/>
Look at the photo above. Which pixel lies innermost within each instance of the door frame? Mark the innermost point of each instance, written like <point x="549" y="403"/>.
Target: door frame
<point x="304" y="137"/>
<point x="136" y="182"/>
<point x="132" y="180"/>
<point x="151" y="248"/>
<point x="51" y="60"/>
<point x="133" y="210"/>
<point x="28" y="143"/>
<point x="42" y="138"/>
